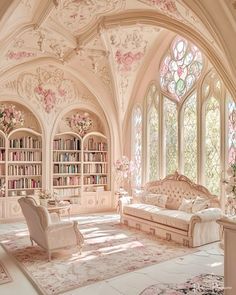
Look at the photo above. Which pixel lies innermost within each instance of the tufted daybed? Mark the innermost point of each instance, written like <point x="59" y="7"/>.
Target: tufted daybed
<point x="160" y="210"/>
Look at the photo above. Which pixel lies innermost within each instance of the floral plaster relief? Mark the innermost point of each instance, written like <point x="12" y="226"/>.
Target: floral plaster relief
<point x="75" y="15"/>
<point x="48" y="87"/>
<point x="128" y="47"/>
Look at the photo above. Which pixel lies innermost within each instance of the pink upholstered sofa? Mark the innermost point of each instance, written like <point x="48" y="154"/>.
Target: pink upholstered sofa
<point x="176" y="209"/>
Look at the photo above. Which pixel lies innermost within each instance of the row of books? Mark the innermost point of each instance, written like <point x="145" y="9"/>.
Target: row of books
<point x="2" y="170"/>
<point x="95" y="179"/>
<point x="95" y="168"/>
<point x="17" y="170"/>
<point x="66" y="157"/>
<point x="2" y="155"/>
<point x="96" y="146"/>
<point x="24" y="183"/>
<point x="66" y="144"/>
<point x="68" y="180"/>
<point x="26" y="156"/>
<point x="2" y="142"/>
<point x="27" y="142"/>
<point x="72" y="168"/>
<point x="95" y="157"/>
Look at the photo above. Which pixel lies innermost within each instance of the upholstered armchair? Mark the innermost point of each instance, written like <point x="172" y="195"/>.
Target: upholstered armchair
<point x="49" y="235"/>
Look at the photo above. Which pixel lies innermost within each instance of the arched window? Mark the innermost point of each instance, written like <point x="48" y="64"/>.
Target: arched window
<point x="191" y="120"/>
<point x="170" y="136"/>
<point x="212" y="145"/>
<point x="231" y="130"/>
<point x="190" y="137"/>
<point x="137" y="145"/>
<point x="152" y="134"/>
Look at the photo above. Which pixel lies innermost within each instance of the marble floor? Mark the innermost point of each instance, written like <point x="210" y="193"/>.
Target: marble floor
<point x="209" y="259"/>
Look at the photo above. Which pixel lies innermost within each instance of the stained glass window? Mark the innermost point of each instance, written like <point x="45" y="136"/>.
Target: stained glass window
<point x="137" y="146"/>
<point x="212" y="145"/>
<point x="231" y="130"/>
<point x="171" y="135"/>
<point x="180" y="68"/>
<point x="190" y="138"/>
<point x="152" y="143"/>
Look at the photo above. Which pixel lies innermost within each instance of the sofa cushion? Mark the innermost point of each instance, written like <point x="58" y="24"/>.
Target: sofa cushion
<point x="174" y="218"/>
<point x="199" y="204"/>
<point x="143" y="211"/>
<point x="186" y="205"/>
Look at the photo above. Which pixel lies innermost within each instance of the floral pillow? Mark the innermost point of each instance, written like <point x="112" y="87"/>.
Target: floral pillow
<point x="199" y="204"/>
<point x="156" y="200"/>
<point x="186" y="205"/>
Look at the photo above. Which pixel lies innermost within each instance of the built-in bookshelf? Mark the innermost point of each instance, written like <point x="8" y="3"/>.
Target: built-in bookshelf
<point x="67" y="165"/>
<point x="79" y="164"/>
<point x="95" y="161"/>
<point x="24" y="162"/>
<point x="20" y="162"/>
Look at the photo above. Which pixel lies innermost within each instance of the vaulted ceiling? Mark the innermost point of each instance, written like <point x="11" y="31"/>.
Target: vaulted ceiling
<point x="107" y="44"/>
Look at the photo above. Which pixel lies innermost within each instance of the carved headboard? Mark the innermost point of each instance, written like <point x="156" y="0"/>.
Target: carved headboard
<point x="176" y="186"/>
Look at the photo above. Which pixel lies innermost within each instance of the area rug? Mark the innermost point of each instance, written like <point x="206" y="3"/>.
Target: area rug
<point x="4" y="275"/>
<point x="110" y="250"/>
<point x="204" y="284"/>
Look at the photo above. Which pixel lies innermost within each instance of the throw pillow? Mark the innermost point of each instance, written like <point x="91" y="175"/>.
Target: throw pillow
<point x="156" y="200"/>
<point x="199" y="204"/>
<point x="186" y="205"/>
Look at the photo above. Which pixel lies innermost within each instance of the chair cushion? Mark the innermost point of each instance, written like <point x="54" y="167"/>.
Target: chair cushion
<point x="143" y="211"/>
<point x="174" y="218"/>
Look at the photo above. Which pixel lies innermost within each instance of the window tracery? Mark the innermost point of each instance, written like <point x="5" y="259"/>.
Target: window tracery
<point x="180" y="69"/>
<point x="152" y="134"/>
<point x="190" y="138"/>
<point x="170" y="136"/>
<point x="137" y="146"/>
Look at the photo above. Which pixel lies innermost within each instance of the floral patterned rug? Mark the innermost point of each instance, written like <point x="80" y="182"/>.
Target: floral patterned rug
<point x="4" y="275"/>
<point x="110" y="250"/>
<point x="204" y="284"/>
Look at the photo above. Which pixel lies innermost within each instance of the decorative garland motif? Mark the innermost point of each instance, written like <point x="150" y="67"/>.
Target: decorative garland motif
<point x="10" y="118"/>
<point x="81" y="123"/>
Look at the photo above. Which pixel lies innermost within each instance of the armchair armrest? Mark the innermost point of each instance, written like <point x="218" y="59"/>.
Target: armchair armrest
<point x="62" y="225"/>
<point x="125" y="200"/>
<point x="209" y="214"/>
<point x="64" y="233"/>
